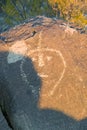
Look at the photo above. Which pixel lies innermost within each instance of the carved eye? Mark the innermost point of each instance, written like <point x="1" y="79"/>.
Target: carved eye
<point x="49" y="58"/>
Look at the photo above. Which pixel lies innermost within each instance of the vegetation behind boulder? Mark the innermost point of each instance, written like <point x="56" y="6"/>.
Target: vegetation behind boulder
<point x="71" y="10"/>
<point x="16" y="12"/>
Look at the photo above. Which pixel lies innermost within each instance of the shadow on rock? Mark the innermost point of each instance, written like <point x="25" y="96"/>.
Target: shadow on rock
<point x="20" y="86"/>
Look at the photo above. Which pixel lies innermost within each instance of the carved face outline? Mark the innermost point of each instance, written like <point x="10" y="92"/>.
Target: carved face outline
<point x="41" y="64"/>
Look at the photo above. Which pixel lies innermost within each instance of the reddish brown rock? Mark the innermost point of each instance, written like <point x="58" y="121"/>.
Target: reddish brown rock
<point x="59" y="55"/>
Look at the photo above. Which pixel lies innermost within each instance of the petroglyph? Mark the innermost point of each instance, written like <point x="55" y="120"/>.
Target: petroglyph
<point x="62" y="74"/>
<point x="39" y="55"/>
<point x="40" y="59"/>
<point x="49" y="58"/>
<point x="16" y="52"/>
<point x="43" y="75"/>
<point x="81" y="80"/>
<point x="23" y="75"/>
<point x="42" y="50"/>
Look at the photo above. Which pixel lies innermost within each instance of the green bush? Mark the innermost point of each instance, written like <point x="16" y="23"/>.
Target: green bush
<point x="71" y="10"/>
<point x="16" y="11"/>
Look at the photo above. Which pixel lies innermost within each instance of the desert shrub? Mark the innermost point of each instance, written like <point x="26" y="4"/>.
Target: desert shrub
<point x="71" y="10"/>
<point x="16" y="11"/>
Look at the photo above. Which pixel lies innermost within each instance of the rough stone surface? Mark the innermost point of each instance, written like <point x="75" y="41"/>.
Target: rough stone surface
<point x="43" y="76"/>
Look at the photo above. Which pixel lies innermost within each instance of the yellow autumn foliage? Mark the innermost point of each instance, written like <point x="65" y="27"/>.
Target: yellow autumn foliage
<point x="71" y="10"/>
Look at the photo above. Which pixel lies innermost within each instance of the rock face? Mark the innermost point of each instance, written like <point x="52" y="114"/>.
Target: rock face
<point x="44" y="65"/>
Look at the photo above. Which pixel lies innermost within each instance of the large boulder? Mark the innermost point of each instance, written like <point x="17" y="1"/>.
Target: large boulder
<point x="43" y="76"/>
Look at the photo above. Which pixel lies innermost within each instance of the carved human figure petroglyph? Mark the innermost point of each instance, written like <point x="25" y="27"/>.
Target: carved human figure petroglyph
<point x="40" y="60"/>
<point x="18" y="50"/>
